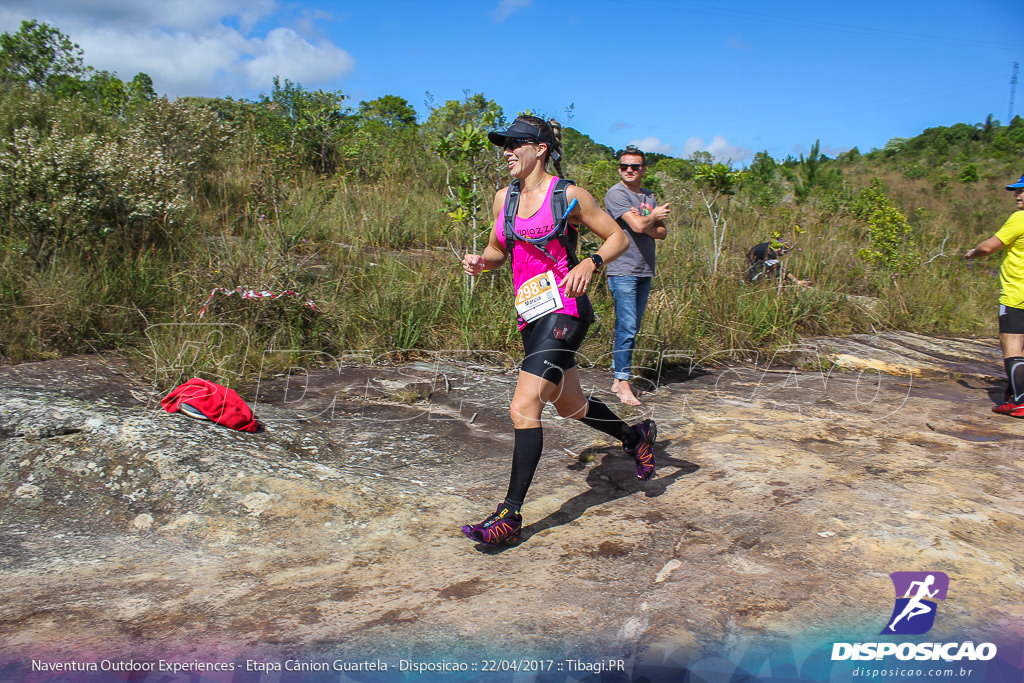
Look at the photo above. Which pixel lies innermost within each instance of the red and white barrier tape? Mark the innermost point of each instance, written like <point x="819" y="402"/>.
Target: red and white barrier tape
<point x="251" y="294"/>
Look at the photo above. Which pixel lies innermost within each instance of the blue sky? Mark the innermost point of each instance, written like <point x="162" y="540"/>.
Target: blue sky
<point x="731" y="78"/>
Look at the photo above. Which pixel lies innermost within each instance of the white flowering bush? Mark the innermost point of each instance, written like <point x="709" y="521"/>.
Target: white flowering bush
<point x="60" y="189"/>
<point x="187" y="134"/>
<point x="50" y="187"/>
<point x="142" y="187"/>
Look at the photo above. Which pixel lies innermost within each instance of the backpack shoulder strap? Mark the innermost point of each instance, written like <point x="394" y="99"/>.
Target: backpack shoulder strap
<point x="559" y="202"/>
<point x="511" y="208"/>
<point x="566" y="233"/>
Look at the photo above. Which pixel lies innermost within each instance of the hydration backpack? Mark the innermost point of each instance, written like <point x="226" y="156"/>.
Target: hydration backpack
<point x="566" y="234"/>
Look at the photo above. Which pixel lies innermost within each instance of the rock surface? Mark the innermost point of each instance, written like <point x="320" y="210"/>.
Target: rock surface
<point x="784" y="498"/>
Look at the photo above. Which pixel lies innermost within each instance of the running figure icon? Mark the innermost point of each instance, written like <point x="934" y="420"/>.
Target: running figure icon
<point x="915" y="607"/>
<point x="917" y="596"/>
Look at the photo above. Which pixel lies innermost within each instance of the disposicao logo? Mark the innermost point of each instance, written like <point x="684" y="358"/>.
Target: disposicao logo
<point x="917" y="594"/>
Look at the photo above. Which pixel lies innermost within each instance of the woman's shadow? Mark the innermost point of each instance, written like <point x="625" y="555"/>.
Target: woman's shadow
<point x="613" y="478"/>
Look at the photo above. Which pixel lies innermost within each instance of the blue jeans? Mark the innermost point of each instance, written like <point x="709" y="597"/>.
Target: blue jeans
<point x="630" y="293"/>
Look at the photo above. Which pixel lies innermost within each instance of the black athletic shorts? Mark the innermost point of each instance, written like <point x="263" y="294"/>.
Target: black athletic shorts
<point x="1011" y="320"/>
<point x="550" y="344"/>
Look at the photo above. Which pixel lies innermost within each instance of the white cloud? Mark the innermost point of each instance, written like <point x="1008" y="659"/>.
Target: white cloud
<point x="171" y="15"/>
<point x="179" y="63"/>
<point x="188" y="47"/>
<point x="286" y="54"/>
<point x="507" y="7"/>
<point x="693" y="144"/>
<point x="655" y="145"/>
<point x="720" y="148"/>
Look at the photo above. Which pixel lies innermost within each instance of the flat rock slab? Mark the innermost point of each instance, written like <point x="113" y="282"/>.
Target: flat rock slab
<point x="787" y="492"/>
<point x="909" y="354"/>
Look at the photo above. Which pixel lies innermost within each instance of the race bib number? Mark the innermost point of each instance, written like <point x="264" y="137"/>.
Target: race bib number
<point x="537" y="297"/>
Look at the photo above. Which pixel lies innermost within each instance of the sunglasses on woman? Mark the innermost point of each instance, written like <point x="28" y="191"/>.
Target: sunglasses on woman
<point x="512" y="144"/>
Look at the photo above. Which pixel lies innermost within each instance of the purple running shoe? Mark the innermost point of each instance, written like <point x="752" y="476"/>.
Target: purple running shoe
<point x="500" y="528"/>
<point x="643" y="452"/>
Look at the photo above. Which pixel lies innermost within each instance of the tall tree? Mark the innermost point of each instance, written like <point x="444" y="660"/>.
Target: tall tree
<point x="390" y="110"/>
<point x="763" y="186"/>
<point x="808" y="172"/>
<point x="474" y="110"/>
<point x="308" y="123"/>
<point x="715" y="182"/>
<point x="39" y="56"/>
<point x="141" y="88"/>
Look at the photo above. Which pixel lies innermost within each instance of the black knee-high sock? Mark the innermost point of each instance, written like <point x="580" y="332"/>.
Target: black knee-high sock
<point x="525" y="455"/>
<point x="1015" y="374"/>
<point x="600" y="417"/>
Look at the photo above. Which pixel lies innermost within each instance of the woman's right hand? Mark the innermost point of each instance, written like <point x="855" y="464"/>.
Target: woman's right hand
<point x="473" y="264"/>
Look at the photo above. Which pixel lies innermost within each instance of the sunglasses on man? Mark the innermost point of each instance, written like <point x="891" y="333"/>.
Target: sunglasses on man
<point x="630" y="167"/>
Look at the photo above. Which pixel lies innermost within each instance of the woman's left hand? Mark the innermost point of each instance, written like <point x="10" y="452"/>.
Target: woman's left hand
<point x="578" y="279"/>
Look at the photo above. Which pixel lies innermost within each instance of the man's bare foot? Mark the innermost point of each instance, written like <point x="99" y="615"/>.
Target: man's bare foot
<point x="625" y="393"/>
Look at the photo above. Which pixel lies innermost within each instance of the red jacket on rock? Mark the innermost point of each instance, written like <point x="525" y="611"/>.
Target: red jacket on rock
<point x="213" y="401"/>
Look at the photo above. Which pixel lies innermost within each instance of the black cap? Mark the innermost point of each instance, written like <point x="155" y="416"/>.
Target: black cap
<point x="522" y="130"/>
<point x="519" y="130"/>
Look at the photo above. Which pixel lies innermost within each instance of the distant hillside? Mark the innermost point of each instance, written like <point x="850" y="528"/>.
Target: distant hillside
<point x="959" y="153"/>
<point x="582" y="149"/>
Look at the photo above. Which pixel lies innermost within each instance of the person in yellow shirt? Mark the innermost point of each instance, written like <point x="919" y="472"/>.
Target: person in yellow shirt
<point x="1011" y="300"/>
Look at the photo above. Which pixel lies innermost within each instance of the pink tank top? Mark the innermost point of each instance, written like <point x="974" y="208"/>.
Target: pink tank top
<point x="528" y="261"/>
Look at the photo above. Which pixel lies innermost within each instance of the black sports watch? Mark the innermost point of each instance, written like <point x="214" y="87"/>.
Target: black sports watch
<point x="598" y="261"/>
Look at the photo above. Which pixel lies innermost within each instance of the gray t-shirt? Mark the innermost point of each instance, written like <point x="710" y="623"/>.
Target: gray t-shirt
<point x="639" y="258"/>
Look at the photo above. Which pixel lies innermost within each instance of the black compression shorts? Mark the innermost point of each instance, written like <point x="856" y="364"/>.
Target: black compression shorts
<point x="1011" y="320"/>
<point x="550" y="344"/>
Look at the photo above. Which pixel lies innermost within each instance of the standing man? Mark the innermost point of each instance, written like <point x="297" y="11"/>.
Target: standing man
<point x="1011" y="300"/>
<point x="629" y="276"/>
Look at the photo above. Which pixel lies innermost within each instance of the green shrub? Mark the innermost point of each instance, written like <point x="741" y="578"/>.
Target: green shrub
<point x="892" y="237"/>
<point x="969" y="174"/>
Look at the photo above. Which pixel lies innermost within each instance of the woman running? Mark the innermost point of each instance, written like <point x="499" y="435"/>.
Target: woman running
<point x="552" y="305"/>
